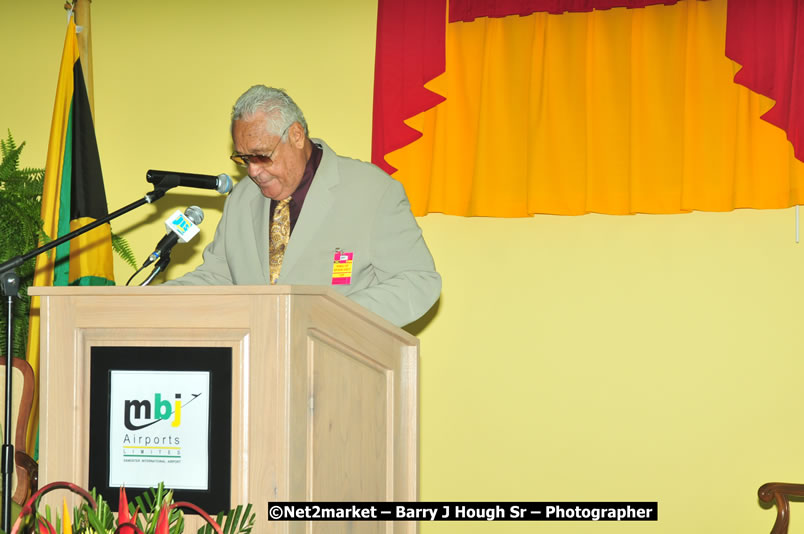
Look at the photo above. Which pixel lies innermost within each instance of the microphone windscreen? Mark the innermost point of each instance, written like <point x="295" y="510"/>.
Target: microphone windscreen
<point x="224" y="184"/>
<point x="195" y="214"/>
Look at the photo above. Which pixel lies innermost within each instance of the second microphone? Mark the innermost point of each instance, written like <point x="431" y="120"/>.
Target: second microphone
<point x="181" y="227"/>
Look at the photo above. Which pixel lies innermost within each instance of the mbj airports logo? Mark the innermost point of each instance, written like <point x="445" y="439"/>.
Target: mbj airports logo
<point x="162" y="410"/>
<point x="145" y="437"/>
<point x="159" y="428"/>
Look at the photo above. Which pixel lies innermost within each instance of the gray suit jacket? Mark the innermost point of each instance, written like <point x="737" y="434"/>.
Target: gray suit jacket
<point x="352" y="206"/>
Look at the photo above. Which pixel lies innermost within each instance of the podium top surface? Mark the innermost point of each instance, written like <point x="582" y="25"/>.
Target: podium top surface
<point x="212" y="291"/>
<point x="182" y="290"/>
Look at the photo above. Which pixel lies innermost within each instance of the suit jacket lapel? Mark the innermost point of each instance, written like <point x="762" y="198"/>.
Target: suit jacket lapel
<point x="316" y="209"/>
<point x="261" y="219"/>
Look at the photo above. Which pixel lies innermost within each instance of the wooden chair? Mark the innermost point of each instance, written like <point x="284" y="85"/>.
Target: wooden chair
<point x="780" y="493"/>
<point x="26" y="473"/>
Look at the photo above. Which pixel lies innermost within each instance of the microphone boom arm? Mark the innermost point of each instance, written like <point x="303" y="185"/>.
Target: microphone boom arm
<point x="16" y="261"/>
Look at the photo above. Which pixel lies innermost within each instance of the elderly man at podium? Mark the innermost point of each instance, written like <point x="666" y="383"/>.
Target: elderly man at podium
<point x="309" y="216"/>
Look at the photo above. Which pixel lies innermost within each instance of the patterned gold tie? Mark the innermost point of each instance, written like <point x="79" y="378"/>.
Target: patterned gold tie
<point x="280" y="233"/>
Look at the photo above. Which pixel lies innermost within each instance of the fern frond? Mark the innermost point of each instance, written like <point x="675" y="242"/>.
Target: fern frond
<point x="7" y="146"/>
<point x="10" y="164"/>
<point x="121" y="247"/>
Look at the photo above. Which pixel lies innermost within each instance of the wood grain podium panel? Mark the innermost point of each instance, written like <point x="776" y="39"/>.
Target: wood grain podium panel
<point x="324" y="393"/>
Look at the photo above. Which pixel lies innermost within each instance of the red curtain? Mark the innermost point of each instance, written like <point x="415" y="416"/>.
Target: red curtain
<point x="763" y="37"/>
<point x="410" y="52"/>
<point x="468" y="10"/>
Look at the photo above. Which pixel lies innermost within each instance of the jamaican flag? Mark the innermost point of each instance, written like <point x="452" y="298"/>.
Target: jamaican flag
<point x="73" y="196"/>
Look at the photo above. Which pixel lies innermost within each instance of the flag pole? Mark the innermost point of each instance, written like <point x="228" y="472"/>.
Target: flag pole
<point x="83" y="18"/>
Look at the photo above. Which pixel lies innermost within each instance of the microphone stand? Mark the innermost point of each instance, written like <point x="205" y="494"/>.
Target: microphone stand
<point x="9" y="287"/>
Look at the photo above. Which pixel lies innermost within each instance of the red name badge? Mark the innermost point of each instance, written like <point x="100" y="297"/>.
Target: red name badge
<point x="342" y="268"/>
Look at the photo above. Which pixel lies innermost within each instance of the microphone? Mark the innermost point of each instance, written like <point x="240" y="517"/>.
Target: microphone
<point x="181" y="227"/>
<point x="167" y="179"/>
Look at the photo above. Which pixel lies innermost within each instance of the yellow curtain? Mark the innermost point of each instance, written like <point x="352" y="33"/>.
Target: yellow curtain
<point x="619" y="111"/>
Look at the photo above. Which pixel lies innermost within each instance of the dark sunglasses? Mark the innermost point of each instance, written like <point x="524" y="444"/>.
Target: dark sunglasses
<point x="244" y="160"/>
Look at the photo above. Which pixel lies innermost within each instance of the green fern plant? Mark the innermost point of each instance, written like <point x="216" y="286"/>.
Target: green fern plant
<point x="21" y="231"/>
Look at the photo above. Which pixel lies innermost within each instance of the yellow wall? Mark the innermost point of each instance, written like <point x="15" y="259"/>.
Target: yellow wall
<point x="587" y="358"/>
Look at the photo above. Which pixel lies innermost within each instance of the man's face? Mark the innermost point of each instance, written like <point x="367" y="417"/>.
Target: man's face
<point x="278" y="179"/>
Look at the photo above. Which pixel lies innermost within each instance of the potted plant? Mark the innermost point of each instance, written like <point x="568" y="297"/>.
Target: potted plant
<point x="154" y="512"/>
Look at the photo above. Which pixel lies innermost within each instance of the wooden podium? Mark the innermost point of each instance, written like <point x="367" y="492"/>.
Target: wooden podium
<point x="324" y="393"/>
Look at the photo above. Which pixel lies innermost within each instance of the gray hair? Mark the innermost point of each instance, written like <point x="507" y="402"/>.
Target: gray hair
<point x="280" y="109"/>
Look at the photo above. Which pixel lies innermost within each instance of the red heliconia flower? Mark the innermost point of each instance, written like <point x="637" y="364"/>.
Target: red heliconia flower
<point x="122" y="507"/>
<point x="123" y="516"/>
<point x="162" y="522"/>
<point x="45" y="527"/>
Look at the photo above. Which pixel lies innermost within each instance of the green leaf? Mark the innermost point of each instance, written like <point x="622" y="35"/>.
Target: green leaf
<point x="237" y="521"/>
<point x="121" y="247"/>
